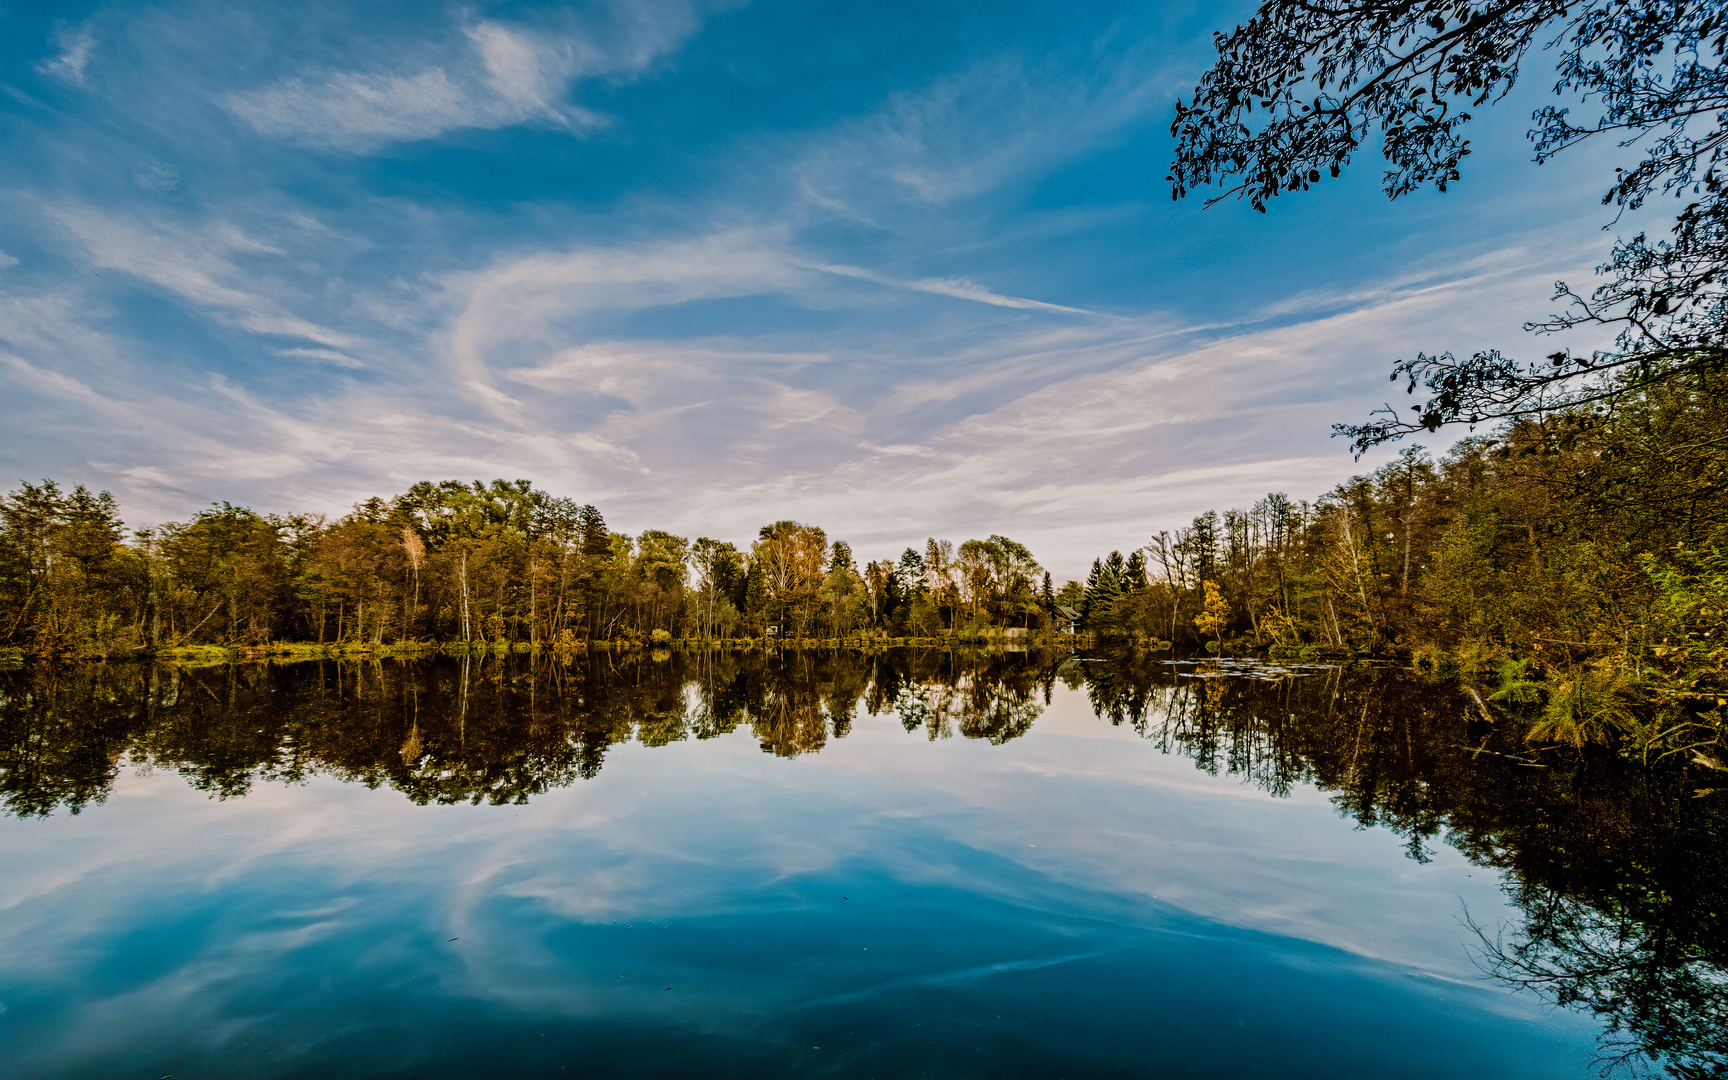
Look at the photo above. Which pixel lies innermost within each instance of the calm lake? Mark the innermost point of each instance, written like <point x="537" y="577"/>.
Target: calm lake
<point x="831" y="864"/>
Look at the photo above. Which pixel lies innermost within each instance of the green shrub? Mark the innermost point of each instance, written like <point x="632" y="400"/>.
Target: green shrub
<point x="1516" y="688"/>
<point x="1591" y="705"/>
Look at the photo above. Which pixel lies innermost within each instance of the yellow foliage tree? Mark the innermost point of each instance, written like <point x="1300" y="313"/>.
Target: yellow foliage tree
<point x="1278" y="625"/>
<point x="1214" y="614"/>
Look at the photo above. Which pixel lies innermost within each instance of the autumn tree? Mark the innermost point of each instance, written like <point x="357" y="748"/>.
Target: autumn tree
<point x="790" y="557"/>
<point x="1214" y="614"/>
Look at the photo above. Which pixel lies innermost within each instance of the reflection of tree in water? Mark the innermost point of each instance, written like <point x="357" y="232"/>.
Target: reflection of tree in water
<point x="974" y="707"/>
<point x="1111" y="690"/>
<point x="1663" y="998"/>
<point x="1621" y="871"/>
<point x="990" y="698"/>
<point x="63" y="739"/>
<point x="481" y="729"/>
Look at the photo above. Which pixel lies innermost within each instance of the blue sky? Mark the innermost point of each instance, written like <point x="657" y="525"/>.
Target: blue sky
<point x="896" y="269"/>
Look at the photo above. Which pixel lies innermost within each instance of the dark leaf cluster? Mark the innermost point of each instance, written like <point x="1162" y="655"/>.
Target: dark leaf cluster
<point x="1301" y="88"/>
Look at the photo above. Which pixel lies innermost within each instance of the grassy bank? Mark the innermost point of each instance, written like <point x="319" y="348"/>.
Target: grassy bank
<point x="290" y="652"/>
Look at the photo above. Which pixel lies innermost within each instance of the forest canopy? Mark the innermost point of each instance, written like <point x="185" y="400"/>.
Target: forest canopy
<point x="454" y="561"/>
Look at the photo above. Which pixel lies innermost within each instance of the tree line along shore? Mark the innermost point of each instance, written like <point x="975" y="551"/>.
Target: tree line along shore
<point x="1570" y="565"/>
<point x="658" y="642"/>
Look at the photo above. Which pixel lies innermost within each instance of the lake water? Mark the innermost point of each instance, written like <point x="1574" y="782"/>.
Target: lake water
<point x="824" y="864"/>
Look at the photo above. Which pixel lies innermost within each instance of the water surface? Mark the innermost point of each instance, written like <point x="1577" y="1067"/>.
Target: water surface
<point x="828" y="864"/>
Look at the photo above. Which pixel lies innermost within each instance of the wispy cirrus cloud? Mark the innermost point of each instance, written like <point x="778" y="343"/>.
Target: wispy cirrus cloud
<point x="77" y="46"/>
<point x="349" y="109"/>
<point x="912" y="275"/>
<point x="969" y="131"/>
<point x="956" y="287"/>
<point x="484" y="75"/>
<point x="1071" y="431"/>
<point x="552" y="319"/>
<point x="198" y="265"/>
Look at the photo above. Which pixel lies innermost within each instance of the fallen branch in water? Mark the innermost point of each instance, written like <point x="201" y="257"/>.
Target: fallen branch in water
<point x="1474" y="750"/>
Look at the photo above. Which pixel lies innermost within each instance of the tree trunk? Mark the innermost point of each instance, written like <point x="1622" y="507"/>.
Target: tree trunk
<point x="466" y="635"/>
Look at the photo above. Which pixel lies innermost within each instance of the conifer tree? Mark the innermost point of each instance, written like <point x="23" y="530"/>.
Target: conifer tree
<point x="1134" y="576"/>
<point x="1103" y="586"/>
<point x="1093" y="578"/>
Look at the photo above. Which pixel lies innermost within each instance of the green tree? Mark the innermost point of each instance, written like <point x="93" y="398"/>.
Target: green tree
<point x="843" y="596"/>
<point x="1300" y="88"/>
<point x="230" y="574"/>
<point x="790" y="556"/>
<point x="62" y="567"/>
<point x="719" y="576"/>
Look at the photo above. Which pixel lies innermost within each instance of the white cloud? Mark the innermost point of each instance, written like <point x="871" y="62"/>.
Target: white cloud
<point x="958" y="288"/>
<point x="49" y="383"/>
<point x="70" y="64"/>
<point x="158" y="176"/>
<point x="55" y="326"/>
<point x="196" y="264"/>
<point x="967" y="132"/>
<point x="545" y="322"/>
<point x="523" y="310"/>
<point x="489" y="76"/>
<point x="353" y="108"/>
<point x="7" y="262"/>
<point x="520" y="70"/>
<point x="324" y="356"/>
<point x="542" y="298"/>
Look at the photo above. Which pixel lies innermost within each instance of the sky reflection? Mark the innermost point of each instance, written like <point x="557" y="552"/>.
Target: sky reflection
<point x="1072" y="900"/>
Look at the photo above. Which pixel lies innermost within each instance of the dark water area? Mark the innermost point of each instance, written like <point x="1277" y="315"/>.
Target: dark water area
<point x="832" y="864"/>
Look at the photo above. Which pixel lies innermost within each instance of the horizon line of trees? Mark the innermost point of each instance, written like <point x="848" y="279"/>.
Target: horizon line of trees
<point x="1585" y="545"/>
<point x="451" y="561"/>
